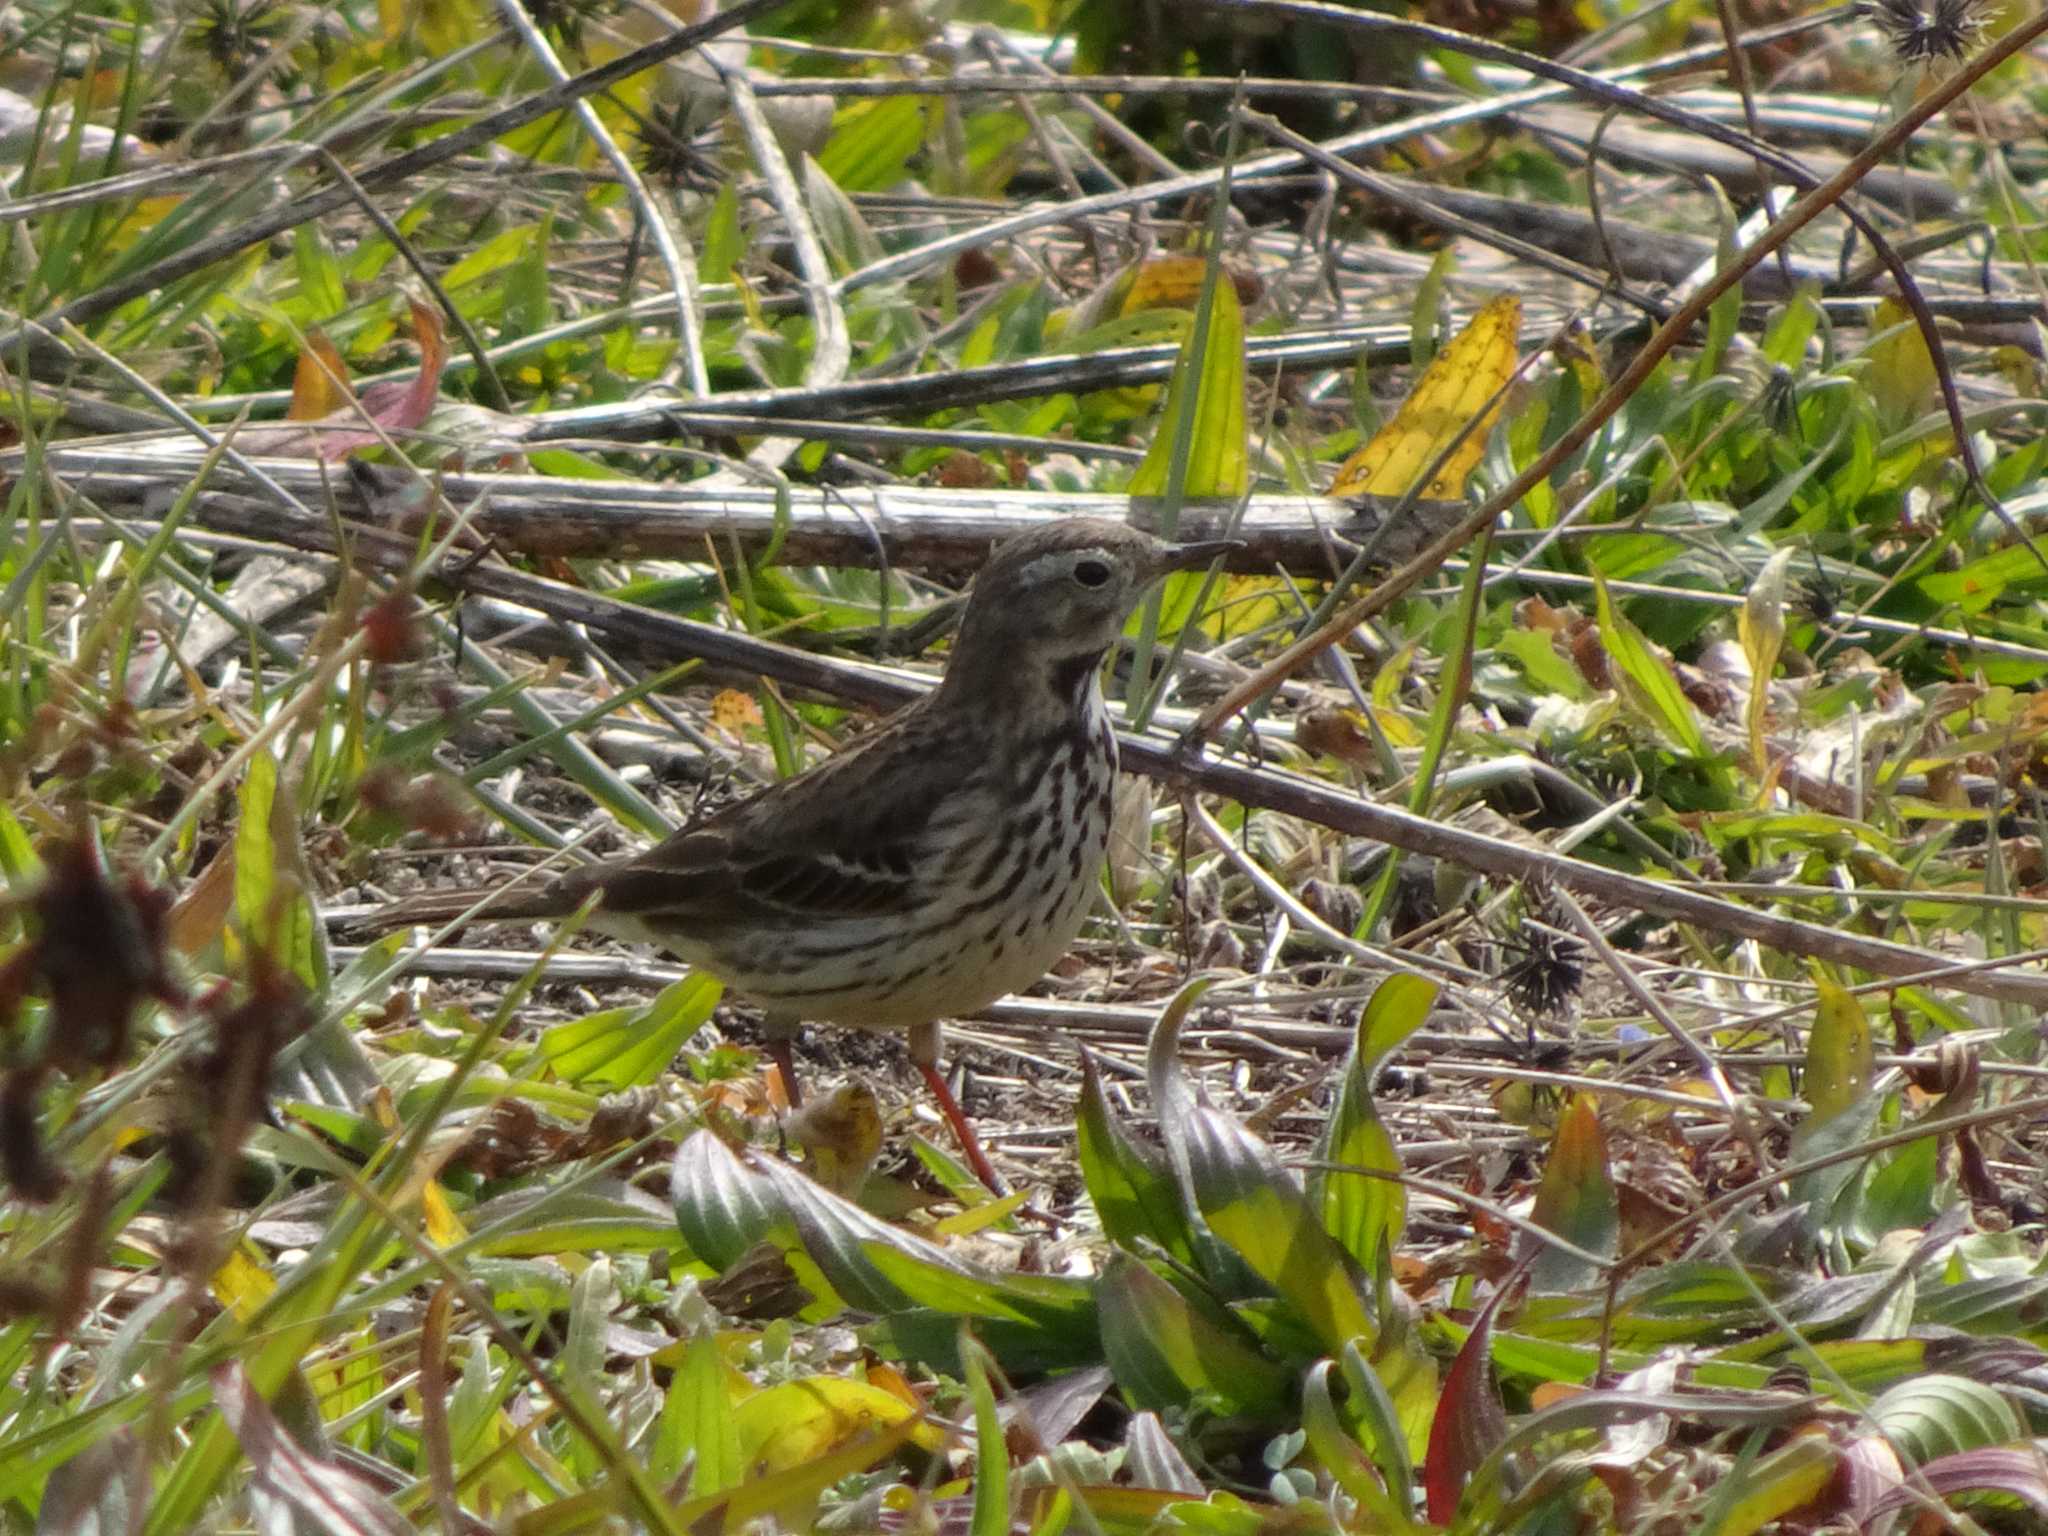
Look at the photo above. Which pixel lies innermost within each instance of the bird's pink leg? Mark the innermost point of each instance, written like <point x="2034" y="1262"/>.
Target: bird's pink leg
<point x="924" y="1051"/>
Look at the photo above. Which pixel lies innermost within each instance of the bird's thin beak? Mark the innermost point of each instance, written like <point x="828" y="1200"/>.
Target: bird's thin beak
<point x="1189" y="557"/>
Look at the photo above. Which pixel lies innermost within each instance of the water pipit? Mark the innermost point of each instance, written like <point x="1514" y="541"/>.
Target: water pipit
<point x="938" y="863"/>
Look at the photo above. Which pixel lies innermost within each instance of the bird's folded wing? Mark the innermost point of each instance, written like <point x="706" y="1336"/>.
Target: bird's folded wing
<point x="850" y="840"/>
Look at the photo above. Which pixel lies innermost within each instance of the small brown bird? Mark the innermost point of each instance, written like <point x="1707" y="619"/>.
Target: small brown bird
<point x="944" y="860"/>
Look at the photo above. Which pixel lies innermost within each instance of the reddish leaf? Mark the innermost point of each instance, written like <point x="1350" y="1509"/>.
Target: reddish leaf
<point x="394" y="406"/>
<point x="2019" y="1470"/>
<point x="400" y="407"/>
<point x="1469" y="1422"/>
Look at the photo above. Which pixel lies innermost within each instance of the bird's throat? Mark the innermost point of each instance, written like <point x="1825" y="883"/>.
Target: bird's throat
<point x="1073" y="682"/>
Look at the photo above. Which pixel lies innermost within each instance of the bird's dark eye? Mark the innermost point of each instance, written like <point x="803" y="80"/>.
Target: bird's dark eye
<point x="1092" y="573"/>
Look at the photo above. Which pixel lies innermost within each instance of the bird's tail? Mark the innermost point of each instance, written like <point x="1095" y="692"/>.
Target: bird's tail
<point x="525" y="902"/>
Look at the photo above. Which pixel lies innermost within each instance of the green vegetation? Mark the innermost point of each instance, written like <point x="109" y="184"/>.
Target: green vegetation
<point x="1561" y="1047"/>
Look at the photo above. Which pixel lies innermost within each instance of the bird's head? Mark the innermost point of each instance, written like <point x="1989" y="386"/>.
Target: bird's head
<point x="1052" y="601"/>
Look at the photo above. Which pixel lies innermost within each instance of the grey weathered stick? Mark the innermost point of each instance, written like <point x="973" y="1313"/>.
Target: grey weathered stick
<point x="549" y="515"/>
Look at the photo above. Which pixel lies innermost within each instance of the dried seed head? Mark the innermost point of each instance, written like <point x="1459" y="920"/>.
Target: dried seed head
<point x="1931" y="31"/>
<point x="1546" y="980"/>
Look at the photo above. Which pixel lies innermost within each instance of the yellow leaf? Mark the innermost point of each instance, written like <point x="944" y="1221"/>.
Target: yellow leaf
<point x="791" y="1495"/>
<point x="1580" y="354"/>
<point x="444" y="1227"/>
<point x="1244" y="604"/>
<point x="1146" y="287"/>
<point x="978" y="1218"/>
<point x="1219" y="463"/>
<point x="797" y="1422"/>
<point x="1166" y="282"/>
<point x="320" y="382"/>
<point x="242" y="1285"/>
<point x="438" y="26"/>
<point x="735" y="712"/>
<point x="1902" y="370"/>
<point x="1775" y="1485"/>
<point x="1839" y="1059"/>
<point x="1453" y="390"/>
<point x="841" y="1134"/>
<point x="2021" y="371"/>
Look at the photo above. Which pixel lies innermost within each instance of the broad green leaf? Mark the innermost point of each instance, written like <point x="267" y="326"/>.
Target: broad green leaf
<point x="1258" y="1210"/>
<point x="1136" y="1199"/>
<point x="872" y="141"/>
<point x="19" y="861"/>
<point x="495" y="254"/>
<point x="847" y="239"/>
<point x="1828" y="1192"/>
<point x="609" y="1216"/>
<point x="931" y="1338"/>
<point x="321" y="288"/>
<point x="270" y="886"/>
<point x="1983" y="581"/>
<point x="1907" y="1188"/>
<point x="1810" y="827"/>
<point x="1341" y="1457"/>
<point x="1254" y="1204"/>
<point x="1928" y="1417"/>
<point x="1168" y="1353"/>
<point x="1021" y="1298"/>
<point x="1398" y="1007"/>
<point x="528" y="305"/>
<point x="1368" y="1212"/>
<point x="723" y="240"/>
<point x="1792" y="328"/>
<point x="631" y="1047"/>
<point x="1577" y="1201"/>
<point x="722" y="1206"/>
<point x="696" y="1427"/>
<point x="1646" y="680"/>
<point x="1547" y="671"/>
<point x="992" y="1510"/>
